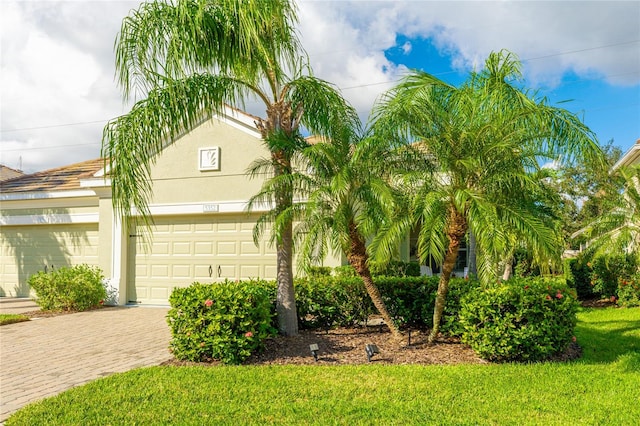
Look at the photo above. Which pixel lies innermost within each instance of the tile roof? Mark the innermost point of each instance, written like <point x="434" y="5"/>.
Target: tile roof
<point x="59" y="179"/>
<point x="8" y="173"/>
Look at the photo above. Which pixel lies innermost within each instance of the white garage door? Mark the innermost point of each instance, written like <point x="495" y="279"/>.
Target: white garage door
<point x="25" y="250"/>
<point x="187" y="249"/>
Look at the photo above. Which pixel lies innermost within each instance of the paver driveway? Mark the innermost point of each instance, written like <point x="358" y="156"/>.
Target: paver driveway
<point x="44" y="357"/>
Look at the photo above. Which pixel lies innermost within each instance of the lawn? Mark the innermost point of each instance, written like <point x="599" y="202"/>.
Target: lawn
<point x="12" y="318"/>
<point x="600" y="388"/>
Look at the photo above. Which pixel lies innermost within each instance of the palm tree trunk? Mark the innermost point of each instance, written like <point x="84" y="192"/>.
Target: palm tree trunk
<point x="285" y="297"/>
<point x="456" y="230"/>
<point x="473" y="266"/>
<point x="357" y="257"/>
<point x="508" y="269"/>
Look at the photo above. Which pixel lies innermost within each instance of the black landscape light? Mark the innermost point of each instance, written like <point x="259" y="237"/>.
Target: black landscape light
<point x="371" y="350"/>
<point x="314" y="350"/>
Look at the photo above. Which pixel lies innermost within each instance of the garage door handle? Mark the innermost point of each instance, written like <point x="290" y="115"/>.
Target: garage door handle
<point x="210" y="271"/>
<point x="219" y="271"/>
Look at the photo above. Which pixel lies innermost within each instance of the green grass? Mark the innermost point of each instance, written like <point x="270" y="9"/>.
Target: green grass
<point x="600" y="388"/>
<point x="12" y="318"/>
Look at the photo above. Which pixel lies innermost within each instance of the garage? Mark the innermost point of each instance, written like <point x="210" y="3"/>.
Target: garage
<point x="185" y="249"/>
<point x="25" y="250"/>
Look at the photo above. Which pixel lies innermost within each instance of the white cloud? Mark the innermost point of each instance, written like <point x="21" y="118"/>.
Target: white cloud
<point x="56" y="71"/>
<point x="57" y="60"/>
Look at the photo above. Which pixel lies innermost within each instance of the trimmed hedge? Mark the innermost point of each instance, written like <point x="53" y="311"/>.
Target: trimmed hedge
<point x="519" y="320"/>
<point x="225" y="321"/>
<point x="327" y="302"/>
<point x="69" y="288"/>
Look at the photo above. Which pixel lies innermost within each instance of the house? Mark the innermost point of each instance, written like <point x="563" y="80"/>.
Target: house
<point x="7" y="173"/>
<point x="631" y="157"/>
<point x="202" y="230"/>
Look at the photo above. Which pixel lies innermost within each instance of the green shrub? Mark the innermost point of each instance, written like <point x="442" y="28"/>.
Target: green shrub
<point x="319" y="271"/>
<point x="458" y="289"/>
<point x="327" y="302"/>
<point x="629" y="291"/>
<point x="395" y="268"/>
<point x="74" y="288"/>
<point x="344" y="271"/>
<point x="317" y="301"/>
<point x="578" y="276"/>
<point x="410" y="300"/>
<point x="607" y="271"/>
<point x="519" y="320"/>
<point x="225" y="321"/>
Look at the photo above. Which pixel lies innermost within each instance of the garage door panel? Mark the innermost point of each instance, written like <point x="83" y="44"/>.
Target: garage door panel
<point x="159" y="293"/>
<point x="227" y="227"/>
<point x="203" y="248"/>
<point x="249" y="271"/>
<point x="201" y="272"/>
<point x="204" y="228"/>
<point x="249" y="248"/>
<point x="226" y="248"/>
<point x="160" y="229"/>
<point x="270" y="271"/>
<point x="181" y="271"/>
<point x="247" y="227"/>
<point x="160" y="248"/>
<point x="227" y="271"/>
<point x="182" y="228"/>
<point x="159" y="271"/>
<point x="181" y="248"/>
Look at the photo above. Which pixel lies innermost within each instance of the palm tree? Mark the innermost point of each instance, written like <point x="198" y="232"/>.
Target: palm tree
<point x="486" y="137"/>
<point x="190" y="58"/>
<point x="618" y="230"/>
<point x="347" y="194"/>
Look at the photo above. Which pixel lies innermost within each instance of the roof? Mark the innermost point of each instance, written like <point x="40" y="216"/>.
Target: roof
<point x="59" y="179"/>
<point x="630" y="157"/>
<point x="9" y="173"/>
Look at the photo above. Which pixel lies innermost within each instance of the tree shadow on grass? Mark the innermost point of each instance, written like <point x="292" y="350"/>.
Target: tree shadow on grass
<point x="606" y="337"/>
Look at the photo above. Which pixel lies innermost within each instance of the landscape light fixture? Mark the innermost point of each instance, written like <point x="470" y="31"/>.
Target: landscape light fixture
<point x="314" y="351"/>
<point x="371" y="350"/>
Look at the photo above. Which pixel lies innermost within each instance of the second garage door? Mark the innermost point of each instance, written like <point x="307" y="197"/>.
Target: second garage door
<point x="195" y="248"/>
<point x="25" y="250"/>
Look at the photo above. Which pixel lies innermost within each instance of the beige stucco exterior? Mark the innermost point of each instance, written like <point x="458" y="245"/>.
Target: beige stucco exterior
<point x="203" y="228"/>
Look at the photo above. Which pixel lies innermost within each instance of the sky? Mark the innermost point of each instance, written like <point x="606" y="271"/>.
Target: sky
<point x="57" y="86"/>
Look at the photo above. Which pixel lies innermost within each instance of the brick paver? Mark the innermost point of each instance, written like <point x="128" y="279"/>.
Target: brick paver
<point x="43" y="357"/>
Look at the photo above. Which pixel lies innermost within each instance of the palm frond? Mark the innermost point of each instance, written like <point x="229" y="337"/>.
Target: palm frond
<point x="249" y="38"/>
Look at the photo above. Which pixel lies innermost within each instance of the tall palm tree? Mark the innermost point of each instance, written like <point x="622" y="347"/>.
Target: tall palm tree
<point x="190" y="58"/>
<point x="486" y="137"/>
<point x="346" y="195"/>
<point x="618" y="230"/>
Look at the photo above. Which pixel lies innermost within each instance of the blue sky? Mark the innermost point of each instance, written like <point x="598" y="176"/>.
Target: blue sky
<point x="57" y="88"/>
<point x="611" y="111"/>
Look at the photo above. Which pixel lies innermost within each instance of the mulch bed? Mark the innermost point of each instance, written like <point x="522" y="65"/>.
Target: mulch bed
<point x="346" y="346"/>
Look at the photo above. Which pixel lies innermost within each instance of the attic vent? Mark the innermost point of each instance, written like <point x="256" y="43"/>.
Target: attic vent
<point x="209" y="158"/>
